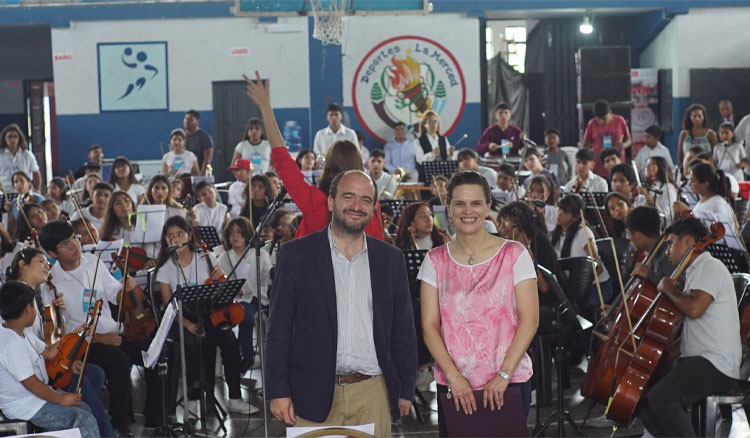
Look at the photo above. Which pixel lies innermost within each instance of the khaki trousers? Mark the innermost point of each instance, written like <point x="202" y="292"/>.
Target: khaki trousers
<point x="358" y="403"/>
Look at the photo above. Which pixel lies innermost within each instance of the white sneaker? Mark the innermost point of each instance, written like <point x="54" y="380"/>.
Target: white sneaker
<point x="241" y="406"/>
<point x="601" y="422"/>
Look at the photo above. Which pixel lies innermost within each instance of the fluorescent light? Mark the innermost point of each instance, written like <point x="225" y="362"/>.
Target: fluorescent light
<point x="586" y="27"/>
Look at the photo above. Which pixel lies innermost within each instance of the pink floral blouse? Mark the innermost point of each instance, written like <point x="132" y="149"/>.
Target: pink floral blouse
<point x="478" y="317"/>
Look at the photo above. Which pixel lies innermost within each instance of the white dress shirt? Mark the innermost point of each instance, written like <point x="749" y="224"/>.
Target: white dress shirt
<point x="325" y="137"/>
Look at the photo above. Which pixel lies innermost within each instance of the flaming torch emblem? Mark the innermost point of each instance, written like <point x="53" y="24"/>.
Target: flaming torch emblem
<point x="406" y="78"/>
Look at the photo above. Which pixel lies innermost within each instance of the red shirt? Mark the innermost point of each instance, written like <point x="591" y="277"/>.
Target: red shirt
<point x="312" y="202"/>
<point x="617" y="131"/>
<point x="493" y="134"/>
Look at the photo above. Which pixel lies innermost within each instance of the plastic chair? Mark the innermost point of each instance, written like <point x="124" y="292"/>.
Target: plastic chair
<point x="742" y="288"/>
<point x="708" y="409"/>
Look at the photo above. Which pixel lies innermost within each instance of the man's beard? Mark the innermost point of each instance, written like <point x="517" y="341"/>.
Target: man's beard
<point x="350" y="227"/>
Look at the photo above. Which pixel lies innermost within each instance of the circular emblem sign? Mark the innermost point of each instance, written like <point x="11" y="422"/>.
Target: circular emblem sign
<point x="401" y="78"/>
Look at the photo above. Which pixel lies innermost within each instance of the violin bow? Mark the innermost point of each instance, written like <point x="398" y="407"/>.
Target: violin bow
<point x="88" y="347"/>
<point x="77" y="205"/>
<point x="124" y="279"/>
<point x="593" y="263"/>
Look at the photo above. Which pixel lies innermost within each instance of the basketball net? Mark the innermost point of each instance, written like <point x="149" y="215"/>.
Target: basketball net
<point x="328" y="18"/>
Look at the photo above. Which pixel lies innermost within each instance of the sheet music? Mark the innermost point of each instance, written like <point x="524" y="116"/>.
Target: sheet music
<point x="151" y="356"/>
<point x="149" y="222"/>
<point x="105" y="248"/>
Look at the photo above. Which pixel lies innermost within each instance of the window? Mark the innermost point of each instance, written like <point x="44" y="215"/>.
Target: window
<point x="515" y="47"/>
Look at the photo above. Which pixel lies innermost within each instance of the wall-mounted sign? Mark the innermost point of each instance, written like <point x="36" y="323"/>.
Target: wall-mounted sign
<point x="133" y="76"/>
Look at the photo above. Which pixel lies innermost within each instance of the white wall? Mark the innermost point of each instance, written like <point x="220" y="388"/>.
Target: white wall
<point x="703" y="38"/>
<point x="198" y="53"/>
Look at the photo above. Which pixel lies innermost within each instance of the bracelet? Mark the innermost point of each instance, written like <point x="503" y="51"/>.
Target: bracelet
<point x="452" y="381"/>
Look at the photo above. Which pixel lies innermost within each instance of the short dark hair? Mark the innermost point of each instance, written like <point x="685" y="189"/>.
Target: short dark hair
<point x="377" y="153"/>
<point x="655" y="131"/>
<point x="53" y="233"/>
<point x="626" y="170"/>
<point x="608" y="152"/>
<point x="271" y="173"/>
<point x="15" y="296"/>
<point x="501" y="106"/>
<point x="727" y="125"/>
<point x="333" y="190"/>
<point x="335" y="107"/>
<point x="585" y="154"/>
<point x="201" y="185"/>
<point x="549" y="131"/>
<point x="193" y="113"/>
<point x="532" y="151"/>
<point x="468" y="177"/>
<point x="399" y="123"/>
<point x="601" y="108"/>
<point x="697" y="150"/>
<point x="691" y="226"/>
<point x="467" y="153"/>
<point x="103" y="186"/>
<point x="95" y="146"/>
<point x="645" y="220"/>
<point x="360" y="135"/>
<point x="254" y="121"/>
<point x="178" y="131"/>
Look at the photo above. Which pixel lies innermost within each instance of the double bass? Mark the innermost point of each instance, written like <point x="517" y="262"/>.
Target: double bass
<point x="645" y="325"/>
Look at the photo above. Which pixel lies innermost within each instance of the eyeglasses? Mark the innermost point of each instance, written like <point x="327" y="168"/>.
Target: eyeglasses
<point x="9" y="136"/>
<point x="71" y="243"/>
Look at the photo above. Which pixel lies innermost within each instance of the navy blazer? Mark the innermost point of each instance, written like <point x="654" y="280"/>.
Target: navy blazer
<point x="303" y="327"/>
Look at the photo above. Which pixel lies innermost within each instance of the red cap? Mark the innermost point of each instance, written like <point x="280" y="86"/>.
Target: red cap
<point x="241" y="163"/>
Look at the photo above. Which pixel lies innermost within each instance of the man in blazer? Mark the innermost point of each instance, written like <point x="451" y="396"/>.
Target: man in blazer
<point x="341" y="344"/>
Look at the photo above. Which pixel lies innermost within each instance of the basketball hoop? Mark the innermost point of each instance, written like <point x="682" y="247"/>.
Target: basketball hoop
<point x="328" y="18"/>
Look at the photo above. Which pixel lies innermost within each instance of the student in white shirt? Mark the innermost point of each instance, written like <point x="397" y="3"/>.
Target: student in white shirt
<point x="585" y="176"/>
<point x="84" y="279"/>
<point x="235" y="238"/>
<point x="623" y="179"/>
<point x="653" y="148"/>
<point x="431" y="144"/>
<point x="728" y="155"/>
<point x="159" y="192"/>
<point x="95" y="212"/>
<point x="15" y="155"/>
<point x="23" y="374"/>
<point x="334" y="132"/>
<point x="541" y="190"/>
<point x="209" y="212"/>
<point x="469" y="160"/>
<point x="659" y="190"/>
<point x="186" y="267"/>
<point x="57" y="190"/>
<point x="122" y="178"/>
<point x="384" y="181"/>
<point x="118" y="222"/>
<point x="242" y="169"/>
<point x="571" y="238"/>
<point x="254" y="147"/>
<point x="179" y="161"/>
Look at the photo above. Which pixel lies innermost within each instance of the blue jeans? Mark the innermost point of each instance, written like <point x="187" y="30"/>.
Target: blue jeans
<point x="58" y="417"/>
<point x="246" y="330"/>
<point x="91" y="389"/>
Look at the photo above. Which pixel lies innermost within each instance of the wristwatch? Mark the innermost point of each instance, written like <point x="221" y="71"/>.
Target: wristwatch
<point x="504" y="375"/>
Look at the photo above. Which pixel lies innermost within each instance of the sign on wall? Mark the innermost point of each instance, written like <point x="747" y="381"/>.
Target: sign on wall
<point x="401" y="78"/>
<point x="133" y="76"/>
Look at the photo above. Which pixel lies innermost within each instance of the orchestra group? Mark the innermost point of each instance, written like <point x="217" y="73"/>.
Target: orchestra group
<point x="352" y="331"/>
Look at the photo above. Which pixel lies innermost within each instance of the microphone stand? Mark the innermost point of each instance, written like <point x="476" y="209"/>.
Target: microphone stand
<point x="257" y="243"/>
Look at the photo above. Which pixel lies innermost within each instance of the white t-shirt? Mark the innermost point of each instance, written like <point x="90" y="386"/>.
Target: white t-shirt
<point x="96" y="222"/>
<point x="386" y="185"/>
<point x="134" y="191"/>
<point x="67" y="206"/>
<point x="550" y="217"/>
<point x="325" y="137"/>
<point x="579" y="248"/>
<point x="641" y="159"/>
<point x="75" y="285"/>
<point x="716" y="334"/>
<point x="246" y="270"/>
<point x="20" y="358"/>
<point x="195" y="273"/>
<point x="489" y="174"/>
<point x="211" y="216"/>
<point x="727" y="156"/>
<point x="523" y="269"/>
<point x="425" y="242"/>
<point x="664" y="202"/>
<point x="179" y="164"/>
<point x="9" y="164"/>
<point x="594" y="183"/>
<point x="715" y="209"/>
<point x="236" y="197"/>
<point x="258" y="154"/>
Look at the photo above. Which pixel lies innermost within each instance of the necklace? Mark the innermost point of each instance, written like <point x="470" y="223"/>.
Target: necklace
<point x="471" y="255"/>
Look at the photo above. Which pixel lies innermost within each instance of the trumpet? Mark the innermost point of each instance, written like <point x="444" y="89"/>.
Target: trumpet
<point x="398" y="174"/>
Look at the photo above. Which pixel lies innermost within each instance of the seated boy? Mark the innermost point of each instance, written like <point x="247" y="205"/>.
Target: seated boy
<point x="532" y="161"/>
<point x="610" y="157"/>
<point x="507" y="189"/>
<point x="385" y="182"/>
<point x="469" y="160"/>
<point x="242" y="170"/>
<point x="23" y="373"/>
<point x="585" y="178"/>
<point x="557" y="160"/>
<point x="208" y="211"/>
<point x="623" y="181"/>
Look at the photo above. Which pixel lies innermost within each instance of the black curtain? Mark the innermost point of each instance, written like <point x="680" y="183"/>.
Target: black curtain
<point x="505" y="84"/>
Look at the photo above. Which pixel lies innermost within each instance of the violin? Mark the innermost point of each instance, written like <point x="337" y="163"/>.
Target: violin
<point x="140" y="322"/>
<point x="645" y="325"/>
<point x="54" y="321"/>
<point x="579" y="185"/>
<point x="73" y="347"/>
<point x="136" y="257"/>
<point x="223" y="318"/>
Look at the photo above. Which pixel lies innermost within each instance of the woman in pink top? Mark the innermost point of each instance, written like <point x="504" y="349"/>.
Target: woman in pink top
<point x="480" y="307"/>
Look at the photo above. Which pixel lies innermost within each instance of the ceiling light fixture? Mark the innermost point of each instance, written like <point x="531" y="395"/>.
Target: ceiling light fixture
<point x="586" y="27"/>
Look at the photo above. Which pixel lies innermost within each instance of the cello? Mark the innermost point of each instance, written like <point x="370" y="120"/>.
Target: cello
<point x="657" y="326"/>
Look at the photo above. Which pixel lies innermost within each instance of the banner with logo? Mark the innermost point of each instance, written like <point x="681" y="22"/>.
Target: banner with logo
<point x="644" y="90"/>
<point x="409" y="65"/>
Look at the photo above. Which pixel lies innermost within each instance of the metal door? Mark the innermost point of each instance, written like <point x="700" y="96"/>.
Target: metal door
<point x="232" y="108"/>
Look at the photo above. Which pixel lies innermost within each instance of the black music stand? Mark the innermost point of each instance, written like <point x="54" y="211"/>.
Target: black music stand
<point x="201" y="299"/>
<point x="598" y="197"/>
<point x="209" y="235"/>
<point x="733" y="259"/>
<point x="433" y="168"/>
<point x="397" y="206"/>
<point x="414" y="259"/>
<point x="566" y="321"/>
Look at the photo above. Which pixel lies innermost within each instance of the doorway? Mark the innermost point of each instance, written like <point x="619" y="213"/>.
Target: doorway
<point x="232" y="108"/>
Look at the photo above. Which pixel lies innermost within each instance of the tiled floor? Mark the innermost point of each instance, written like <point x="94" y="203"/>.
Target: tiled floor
<point x="252" y="426"/>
